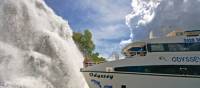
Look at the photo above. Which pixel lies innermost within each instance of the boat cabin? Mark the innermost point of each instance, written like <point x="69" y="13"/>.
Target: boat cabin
<point x="188" y="41"/>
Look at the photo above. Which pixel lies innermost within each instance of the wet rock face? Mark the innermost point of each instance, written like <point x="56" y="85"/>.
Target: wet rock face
<point x="36" y="48"/>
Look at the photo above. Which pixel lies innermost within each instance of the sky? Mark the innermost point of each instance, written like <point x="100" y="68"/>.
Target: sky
<point x="105" y="19"/>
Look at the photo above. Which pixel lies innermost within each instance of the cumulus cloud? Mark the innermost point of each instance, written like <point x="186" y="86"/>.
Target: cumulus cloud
<point x="159" y="17"/>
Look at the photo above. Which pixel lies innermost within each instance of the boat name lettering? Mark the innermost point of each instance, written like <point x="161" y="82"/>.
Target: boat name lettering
<point x="186" y="59"/>
<point x="96" y="75"/>
<point x="191" y="40"/>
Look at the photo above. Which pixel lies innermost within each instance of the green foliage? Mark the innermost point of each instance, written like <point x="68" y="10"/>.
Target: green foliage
<point x="86" y="45"/>
<point x="84" y="41"/>
<point x="97" y="58"/>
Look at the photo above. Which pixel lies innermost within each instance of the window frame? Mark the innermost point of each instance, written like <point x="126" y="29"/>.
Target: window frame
<point x="188" y="47"/>
<point x="162" y="69"/>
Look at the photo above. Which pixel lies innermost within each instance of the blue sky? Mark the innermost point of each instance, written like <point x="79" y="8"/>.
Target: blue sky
<point x="105" y="18"/>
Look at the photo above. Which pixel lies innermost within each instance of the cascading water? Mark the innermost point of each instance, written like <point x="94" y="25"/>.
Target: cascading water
<point x="156" y="18"/>
<point x="36" y="48"/>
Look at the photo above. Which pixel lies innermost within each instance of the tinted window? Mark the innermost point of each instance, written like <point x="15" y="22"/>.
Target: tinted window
<point x="163" y="69"/>
<point x="157" y="47"/>
<point x="193" y="46"/>
<point x="173" y="47"/>
<point x="135" y="49"/>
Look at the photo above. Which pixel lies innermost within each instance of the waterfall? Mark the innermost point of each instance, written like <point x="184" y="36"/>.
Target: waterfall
<point x="36" y="48"/>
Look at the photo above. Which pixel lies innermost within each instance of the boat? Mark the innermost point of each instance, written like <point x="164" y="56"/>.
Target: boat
<point x="167" y="62"/>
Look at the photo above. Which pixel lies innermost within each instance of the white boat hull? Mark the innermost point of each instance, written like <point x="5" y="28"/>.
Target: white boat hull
<point x="161" y="63"/>
<point x="132" y="80"/>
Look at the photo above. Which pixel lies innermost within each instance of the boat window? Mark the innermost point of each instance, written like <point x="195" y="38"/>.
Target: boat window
<point x="163" y="69"/>
<point x="173" y="47"/>
<point x="139" y="51"/>
<point x="157" y="47"/>
<point x="193" y="46"/>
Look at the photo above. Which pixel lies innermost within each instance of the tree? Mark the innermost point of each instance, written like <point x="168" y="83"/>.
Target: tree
<point x="84" y="42"/>
<point x="96" y="58"/>
<point x="86" y="45"/>
<point x="77" y="37"/>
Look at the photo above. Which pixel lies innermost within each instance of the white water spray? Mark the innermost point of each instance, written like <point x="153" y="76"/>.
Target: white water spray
<point x="158" y="17"/>
<point x="36" y="48"/>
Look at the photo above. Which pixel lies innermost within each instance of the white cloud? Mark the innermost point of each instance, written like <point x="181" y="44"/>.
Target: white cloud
<point x="158" y="17"/>
<point x="125" y="42"/>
